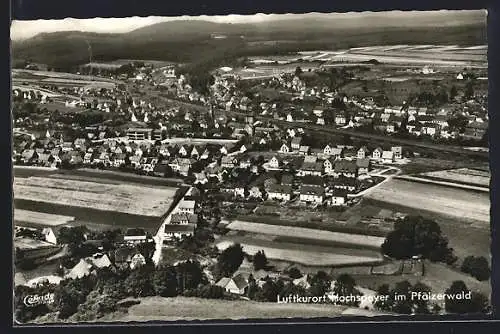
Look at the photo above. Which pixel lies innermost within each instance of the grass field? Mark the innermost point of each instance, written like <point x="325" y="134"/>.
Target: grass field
<point x="125" y="198"/>
<point x="462" y="175"/>
<point x="302" y="254"/>
<point x="40" y="218"/>
<point x="298" y="232"/>
<point x="454" y="202"/>
<point x="437" y="276"/>
<point x="182" y="308"/>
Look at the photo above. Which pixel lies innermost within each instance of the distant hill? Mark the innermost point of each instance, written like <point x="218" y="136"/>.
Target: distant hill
<point x="191" y="41"/>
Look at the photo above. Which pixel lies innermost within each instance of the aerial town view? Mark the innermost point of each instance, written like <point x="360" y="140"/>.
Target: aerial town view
<point x="250" y="167"/>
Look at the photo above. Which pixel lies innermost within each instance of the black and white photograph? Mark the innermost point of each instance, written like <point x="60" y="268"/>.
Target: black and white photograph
<point x="250" y="167"/>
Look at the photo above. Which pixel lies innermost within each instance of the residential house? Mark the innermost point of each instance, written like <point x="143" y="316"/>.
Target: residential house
<point x="476" y="130"/>
<point x="119" y="160"/>
<point x="228" y="162"/>
<point x="346" y="168"/>
<point x="363" y="152"/>
<point x="296" y="141"/>
<point x="255" y="192"/>
<point x="236" y="285"/>
<point x="186" y="206"/>
<point x="363" y="165"/>
<point x="28" y="156"/>
<point x="328" y="165"/>
<point x="135" y="236"/>
<point x="148" y="164"/>
<point x="388" y="157"/>
<point x="88" y="266"/>
<point x="311" y="194"/>
<point x="310" y="168"/>
<point x="284" y="148"/>
<point x="338" y="198"/>
<point x="304" y="150"/>
<point x="88" y="158"/>
<point x="274" y="162"/>
<point x="171" y="231"/>
<point x="431" y="130"/>
<point x="398" y="152"/>
<point x="200" y="178"/>
<point x="135" y="161"/>
<point x="340" y="119"/>
<point x="377" y="153"/>
<point x="183" y="151"/>
<point x="279" y="192"/>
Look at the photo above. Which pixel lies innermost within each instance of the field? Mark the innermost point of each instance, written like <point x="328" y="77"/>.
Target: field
<point x="182" y="308"/>
<point x="307" y="255"/>
<point x="363" y="240"/>
<point x="462" y="176"/>
<point x="448" y="201"/>
<point x="124" y="198"/>
<point x="437" y="276"/>
<point x="40" y="218"/>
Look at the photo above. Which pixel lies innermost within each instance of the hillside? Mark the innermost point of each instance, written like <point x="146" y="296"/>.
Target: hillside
<point x="191" y="41"/>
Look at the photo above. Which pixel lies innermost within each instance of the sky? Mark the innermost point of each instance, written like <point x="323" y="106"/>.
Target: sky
<point x="26" y="29"/>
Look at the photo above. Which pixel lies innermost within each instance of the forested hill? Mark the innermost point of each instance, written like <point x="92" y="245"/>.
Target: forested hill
<point x="193" y="41"/>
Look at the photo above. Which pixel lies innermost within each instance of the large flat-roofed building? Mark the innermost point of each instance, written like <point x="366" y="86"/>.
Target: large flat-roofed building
<point x="139" y="133"/>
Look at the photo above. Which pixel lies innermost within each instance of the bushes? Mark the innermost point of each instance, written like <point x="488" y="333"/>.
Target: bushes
<point x="477" y="267"/>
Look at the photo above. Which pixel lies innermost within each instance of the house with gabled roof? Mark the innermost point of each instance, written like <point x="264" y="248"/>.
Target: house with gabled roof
<point x="345" y="168"/>
<point x="363" y="165"/>
<point x="284" y="148"/>
<point x="377" y="153"/>
<point x="236" y="285"/>
<point x="362" y="152"/>
<point x="296" y="143"/>
<point x="311" y="194"/>
<point x="388" y="156"/>
<point x="279" y="192"/>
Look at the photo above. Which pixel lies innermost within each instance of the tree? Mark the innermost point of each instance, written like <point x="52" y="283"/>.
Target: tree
<point x="472" y="302"/>
<point x="269" y="292"/>
<point x="294" y="273"/>
<point x="252" y="287"/>
<point x="415" y="235"/>
<point x="386" y="303"/>
<point x="421" y="305"/>
<point x="140" y="282"/>
<point x="298" y="71"/>
<point x="230" y="259"/>
<point x="469" y="90"/>
<point x="477" y="267"/>
<point x="345" y="286"/>
<point x="72" y="236"/>
<point x="402" y="303"/>
<point x="453" y="92"/>
<point x="260" y="260"/>
<point x="147" y="250"/>
<point x="165" y="281"/>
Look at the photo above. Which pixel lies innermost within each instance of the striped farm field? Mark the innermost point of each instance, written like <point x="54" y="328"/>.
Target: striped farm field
<point x="448" y="201"/>
<point x="304" y="257"/>
<point x="126" y="198"/>
<point x="300" y="232"/>
<point x="462" y="175"/>
<point x="40" y="218"/>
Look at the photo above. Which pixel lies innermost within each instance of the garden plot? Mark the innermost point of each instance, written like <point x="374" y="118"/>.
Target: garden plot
<point x="125" y="198"/>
